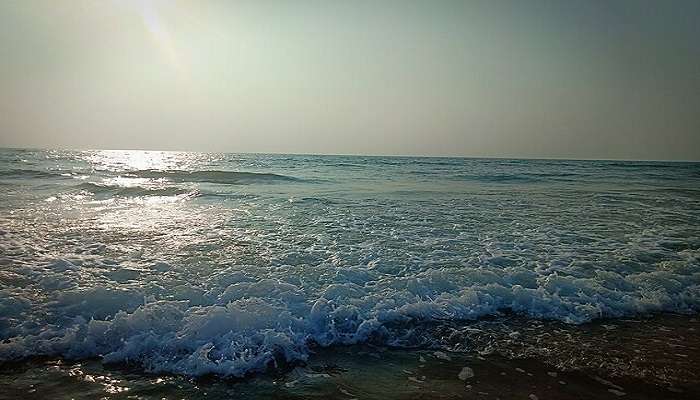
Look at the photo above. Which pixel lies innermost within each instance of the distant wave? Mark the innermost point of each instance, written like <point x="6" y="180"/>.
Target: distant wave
<point x="347" y="165"/>
<point x="131" y="191"/>
<point x="529" y="177"/>
<point x="499" y="178"/>
<point x="30" y="173"/>
<point x="222" y="177"/>
<point x="651" y="164"/>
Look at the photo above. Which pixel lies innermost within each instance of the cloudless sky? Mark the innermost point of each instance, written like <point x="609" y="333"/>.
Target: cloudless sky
<point x="536" y="78"/>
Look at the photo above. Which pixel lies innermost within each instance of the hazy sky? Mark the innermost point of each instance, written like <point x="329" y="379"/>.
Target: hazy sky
<point x="579" y="79"/>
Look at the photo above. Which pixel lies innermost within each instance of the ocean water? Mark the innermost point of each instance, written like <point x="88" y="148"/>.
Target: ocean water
<point x="193" y="264"/>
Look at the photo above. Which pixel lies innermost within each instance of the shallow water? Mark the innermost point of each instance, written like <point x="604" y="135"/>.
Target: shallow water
<point x="233" y="264"/>
<point x="508" y="359"/>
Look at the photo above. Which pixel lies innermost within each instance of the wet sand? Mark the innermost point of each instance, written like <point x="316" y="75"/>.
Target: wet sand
<point x="506" y="357"/>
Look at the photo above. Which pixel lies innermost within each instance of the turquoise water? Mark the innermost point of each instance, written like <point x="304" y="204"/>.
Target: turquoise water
<point x="232" y="264"/>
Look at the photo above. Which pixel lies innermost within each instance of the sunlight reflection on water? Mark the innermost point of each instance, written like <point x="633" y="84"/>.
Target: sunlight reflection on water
<point x="130" y="160"/>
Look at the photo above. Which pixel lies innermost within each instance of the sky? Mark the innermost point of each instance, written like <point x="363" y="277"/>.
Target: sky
<point x="607" y="79"/>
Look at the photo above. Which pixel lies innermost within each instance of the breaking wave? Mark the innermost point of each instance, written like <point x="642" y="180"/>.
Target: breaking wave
<point x="233" y="323"/>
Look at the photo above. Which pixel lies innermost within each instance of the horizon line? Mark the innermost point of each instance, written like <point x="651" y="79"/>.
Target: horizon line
<point x="362" y="155"/>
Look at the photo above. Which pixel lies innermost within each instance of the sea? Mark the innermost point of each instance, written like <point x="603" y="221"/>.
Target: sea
<point x="156" y="274"/>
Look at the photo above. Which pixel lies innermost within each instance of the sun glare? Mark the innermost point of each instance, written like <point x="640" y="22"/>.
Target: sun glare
<point x="148" y="11"/>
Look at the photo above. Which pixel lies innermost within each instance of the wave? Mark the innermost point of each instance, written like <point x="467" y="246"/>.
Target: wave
<point x="498" y="178"/>
<point x="652" y="164"/>
<point x="529" y="177"/>
<point x="220" y="177"/>
<point x="131" y="191"/>
<point x="32" y="174"/>
<point x="242" y="324"/>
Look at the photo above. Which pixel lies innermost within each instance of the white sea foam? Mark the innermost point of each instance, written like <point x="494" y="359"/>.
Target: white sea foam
<point x="249" y="326"/>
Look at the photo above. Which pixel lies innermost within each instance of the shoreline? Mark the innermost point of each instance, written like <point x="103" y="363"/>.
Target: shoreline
<point x="506" y="357"/>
